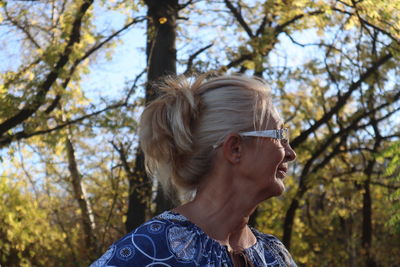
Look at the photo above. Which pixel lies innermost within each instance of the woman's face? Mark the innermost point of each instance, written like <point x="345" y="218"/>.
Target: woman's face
<point x="265" y="161"/>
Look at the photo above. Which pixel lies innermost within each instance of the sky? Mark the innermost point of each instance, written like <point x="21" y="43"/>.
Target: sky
<point x="129" y="59"/>
<point x="108" y="78"/>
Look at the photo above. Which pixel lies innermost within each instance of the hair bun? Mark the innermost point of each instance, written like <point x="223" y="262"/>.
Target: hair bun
<point x="167" y="122"/>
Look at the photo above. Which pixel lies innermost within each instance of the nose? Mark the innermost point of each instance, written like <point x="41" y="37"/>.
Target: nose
<point x="290" y="155"/>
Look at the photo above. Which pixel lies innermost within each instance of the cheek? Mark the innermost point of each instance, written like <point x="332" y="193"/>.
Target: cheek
<point x="269" y="156"/>
<point x="281" y="154"/>
<point x="277" y="155"/>
<point x="272" y="161"/>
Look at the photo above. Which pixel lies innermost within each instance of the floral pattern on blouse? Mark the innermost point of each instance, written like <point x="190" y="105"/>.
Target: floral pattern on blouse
<point x="170" y="239"/>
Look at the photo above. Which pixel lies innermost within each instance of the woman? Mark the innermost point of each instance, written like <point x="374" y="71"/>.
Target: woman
<point x="221" y="146"/>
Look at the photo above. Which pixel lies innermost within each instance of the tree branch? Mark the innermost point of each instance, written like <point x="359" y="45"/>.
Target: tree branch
<point x="21" y="72"/>
<point x="342" y="100"/>
<point x="236" y="13"/>
<point x="363" y="21"/>
<point x="109" y="38"/>
<point x="237" y="61"/>
<point x="24" y="135"/>
<point x="32" y="106"/>
<point x="393" y="187"/>
<point x="88" y="53"/>
<point x="22" y="28"/>
<point x="277" y="30"/>
<point x="260" y="30"/>
<point x="280" y="28"/>
<point x="344" y="132"/>
<point x="193" y="56"/>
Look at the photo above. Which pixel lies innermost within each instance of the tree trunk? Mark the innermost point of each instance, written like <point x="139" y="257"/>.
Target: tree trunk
<point x="290" y="215"/>
<point x="139" y="193"/>
<point x="367" y="199"/>
<point x="367" y="225"/>
<point x="161" y="36"/>
<point x="80" y="196"/>
<point x="161" y="60"/>
<point x="367" y="206"/>
<point x="288" y="224"/>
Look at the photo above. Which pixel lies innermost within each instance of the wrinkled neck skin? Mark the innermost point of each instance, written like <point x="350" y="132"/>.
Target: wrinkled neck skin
<point x="222" y="207"/>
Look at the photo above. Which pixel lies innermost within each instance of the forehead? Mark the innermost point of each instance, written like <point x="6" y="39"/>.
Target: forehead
<point x="274" y="120"/>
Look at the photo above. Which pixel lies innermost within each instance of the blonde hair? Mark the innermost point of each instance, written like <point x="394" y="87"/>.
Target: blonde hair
<point x="179" y="129"/>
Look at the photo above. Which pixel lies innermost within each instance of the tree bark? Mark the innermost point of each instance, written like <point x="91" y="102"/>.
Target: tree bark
<point x="161" y="58"/>
<point x="367" y="199"/>
<point x="367" y="224"/>
<point x="81" y="197"/>
<point x="289" y="219"/>
<point x="139" y="192"/>
<point x="161" y="36"/>
<point x="161" y="61"/>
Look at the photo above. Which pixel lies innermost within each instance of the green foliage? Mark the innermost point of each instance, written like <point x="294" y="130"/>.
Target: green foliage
<point x="311" y="52"/>
<point x="28" y="235"/>
<point x="392" y="153"/>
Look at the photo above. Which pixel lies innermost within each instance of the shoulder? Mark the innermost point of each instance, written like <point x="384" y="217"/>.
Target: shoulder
<point x="274" y="248"/>
<point x="153" y="241"/>
<point x="267" y="238"/>
<point x="143" y="245"/>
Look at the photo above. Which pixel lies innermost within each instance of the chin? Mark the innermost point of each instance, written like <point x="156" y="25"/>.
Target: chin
<point x="278" y="193"/>
<point x="279" y="189"/>
<point x="274" y="192"/>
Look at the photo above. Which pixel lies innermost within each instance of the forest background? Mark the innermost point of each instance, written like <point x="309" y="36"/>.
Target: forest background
<point x="72" y="180"/>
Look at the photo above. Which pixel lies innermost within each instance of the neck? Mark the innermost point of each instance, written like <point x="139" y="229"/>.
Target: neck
<point x="222" y="210"/>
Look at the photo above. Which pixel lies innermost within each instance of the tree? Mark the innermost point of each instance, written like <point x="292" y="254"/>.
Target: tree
<point x="60" y="40"/>
<point x="332" y="65"/>
<point x="391" y="155"/>
<point x="161" y="58"/>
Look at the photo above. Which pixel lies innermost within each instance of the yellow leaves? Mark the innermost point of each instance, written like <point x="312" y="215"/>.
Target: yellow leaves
<point x="78" y="212"/>
<point x="343" y="212"/>
<point x="302" y="259"/>
<point x="249" y="64"/>
<point x="109" y="55"/>
<point x="88" y="38"/>
<point x="20" y="246"/>
<point x="124" y="194"/>
<point x="351" y="23"/>
<point x="10" y="233"/>
<point x="3" y="91"/>
<point x="30" y="76"/>
<point x="24" y="224"/>
<point x="302" y="104"/>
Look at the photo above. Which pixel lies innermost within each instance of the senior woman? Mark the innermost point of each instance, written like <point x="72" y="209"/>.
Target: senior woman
<point x="218" y="143"/>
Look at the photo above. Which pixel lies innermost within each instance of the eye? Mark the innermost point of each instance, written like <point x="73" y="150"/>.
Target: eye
<point x="285" y="136"/>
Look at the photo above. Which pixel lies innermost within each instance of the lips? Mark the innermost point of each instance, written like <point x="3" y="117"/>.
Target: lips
<point x="281" y="172"/>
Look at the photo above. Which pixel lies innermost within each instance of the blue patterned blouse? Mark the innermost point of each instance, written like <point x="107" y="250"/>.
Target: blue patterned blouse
<point x="170" y="239"/>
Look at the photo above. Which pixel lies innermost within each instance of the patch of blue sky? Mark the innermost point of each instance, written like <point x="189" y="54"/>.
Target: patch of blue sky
<point x="109" y="77"/>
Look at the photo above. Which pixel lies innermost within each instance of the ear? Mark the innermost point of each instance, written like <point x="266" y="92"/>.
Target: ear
<point x="232" y="148"/>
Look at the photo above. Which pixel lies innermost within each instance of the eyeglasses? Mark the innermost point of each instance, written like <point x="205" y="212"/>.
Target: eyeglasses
<point x="281" y="134"/>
